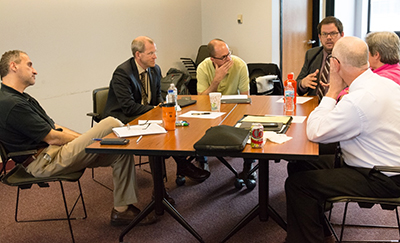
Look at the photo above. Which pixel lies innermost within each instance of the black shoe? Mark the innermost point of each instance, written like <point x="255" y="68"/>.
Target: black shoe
<point x="192" y="172"/>
<point x="245" y="173"/>
<point x="126" y="217"/>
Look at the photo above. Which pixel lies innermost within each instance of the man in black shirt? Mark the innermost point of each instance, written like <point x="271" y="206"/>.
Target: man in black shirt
<point x="25" y="125"/>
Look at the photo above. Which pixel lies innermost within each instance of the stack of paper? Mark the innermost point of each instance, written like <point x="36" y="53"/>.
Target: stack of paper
<point x="137" y="130"/>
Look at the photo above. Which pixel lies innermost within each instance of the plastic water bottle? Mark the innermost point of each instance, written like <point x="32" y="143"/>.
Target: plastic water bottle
<point x="289" y="97"/>
<point x="294" y="84"/>
<point x="172" y="96"/>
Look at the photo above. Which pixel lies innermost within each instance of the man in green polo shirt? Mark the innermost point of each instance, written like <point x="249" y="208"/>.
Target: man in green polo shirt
<point x="225" y="73"/>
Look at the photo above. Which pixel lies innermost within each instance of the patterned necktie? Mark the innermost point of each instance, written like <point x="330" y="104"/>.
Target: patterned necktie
<point x="324" y="77"/>
<point x="144" y="94"/>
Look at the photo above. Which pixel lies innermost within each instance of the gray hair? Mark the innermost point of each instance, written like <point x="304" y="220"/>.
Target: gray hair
<point x="7" y="58"/>
<point x="138" y="44"/>
<point x="387" y="44"/>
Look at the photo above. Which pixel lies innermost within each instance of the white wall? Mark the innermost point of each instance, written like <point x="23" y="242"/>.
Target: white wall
<point x="75" y="45"/>
<point x="346" y="15"/>
<point x="256" y="40"/>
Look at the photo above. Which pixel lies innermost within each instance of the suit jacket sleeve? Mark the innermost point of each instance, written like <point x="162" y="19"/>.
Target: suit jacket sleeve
<point x="155" y="77"/>
<point x="127" y="91"/>
<point x="312" y="62"/>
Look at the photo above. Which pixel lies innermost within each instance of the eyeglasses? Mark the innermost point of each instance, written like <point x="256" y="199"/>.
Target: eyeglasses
<point x="332" y="34"/>
<point x="224" y="57"/>
<point x="330" y="56"/>
<point x="150" y="53"/>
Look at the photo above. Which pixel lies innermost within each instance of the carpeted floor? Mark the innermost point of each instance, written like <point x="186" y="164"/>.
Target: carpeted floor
<point x="212" y="208"/>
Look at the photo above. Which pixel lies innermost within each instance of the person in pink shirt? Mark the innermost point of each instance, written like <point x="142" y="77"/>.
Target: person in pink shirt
<point x="384" y="56"/>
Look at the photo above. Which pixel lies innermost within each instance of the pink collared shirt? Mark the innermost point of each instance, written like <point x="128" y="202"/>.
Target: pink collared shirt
<point x="390" y="71"/>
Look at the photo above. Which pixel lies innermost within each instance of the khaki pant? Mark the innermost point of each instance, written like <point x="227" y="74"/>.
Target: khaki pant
<point x="72" y="157"/>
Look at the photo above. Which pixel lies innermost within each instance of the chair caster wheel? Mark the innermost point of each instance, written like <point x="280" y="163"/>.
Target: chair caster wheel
<point x="239" y="183"/>
<point x="251" y="184"/>
<point x="180" y="180"/>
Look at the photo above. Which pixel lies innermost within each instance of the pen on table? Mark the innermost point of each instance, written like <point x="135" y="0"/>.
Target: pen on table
<point x="138" y="140"/>
<point x="97" y="139"/>
<point x="202" y="113"/>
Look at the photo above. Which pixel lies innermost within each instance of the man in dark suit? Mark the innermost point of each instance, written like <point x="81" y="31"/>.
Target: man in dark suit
<point x="330" y="30"/>
<point x="128" y="97"/>
<point x="135" y="88"/>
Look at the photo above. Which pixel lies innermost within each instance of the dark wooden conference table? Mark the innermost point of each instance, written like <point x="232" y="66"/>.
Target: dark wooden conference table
<point x="180" y="143"/>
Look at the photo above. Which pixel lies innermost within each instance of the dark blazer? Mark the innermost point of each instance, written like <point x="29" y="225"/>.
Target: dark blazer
<point x="312" y="62"/>
<point x="124" y="97"/>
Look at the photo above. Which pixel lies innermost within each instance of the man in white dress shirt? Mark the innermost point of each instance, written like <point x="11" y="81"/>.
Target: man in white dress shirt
<point x="366" y="123"/>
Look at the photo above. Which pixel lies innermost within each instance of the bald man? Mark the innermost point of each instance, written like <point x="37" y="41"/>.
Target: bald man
<point x="222" y="71"/>
<point x="367" y="137"/>
<point x="225" y="73"/>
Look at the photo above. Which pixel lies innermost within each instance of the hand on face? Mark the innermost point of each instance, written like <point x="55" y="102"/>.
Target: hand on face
<point x="336" y="82"/>
<point x="222" y="71"/>
<point x="310" y="81"/>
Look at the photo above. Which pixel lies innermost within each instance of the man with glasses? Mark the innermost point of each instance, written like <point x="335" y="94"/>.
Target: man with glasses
<point x="312" y="80"/>
<point x="225" y="73"/>
<point x="135" y="88"/>
<point x="367" y="138"/>
<point x="222" y="72"/>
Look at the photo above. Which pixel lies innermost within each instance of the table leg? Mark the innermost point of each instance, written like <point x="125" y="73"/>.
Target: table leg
<point x="159" y="204"/>
<point x="263" y="209"/>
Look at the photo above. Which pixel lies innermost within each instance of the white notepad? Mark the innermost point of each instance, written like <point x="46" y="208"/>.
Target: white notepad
<point x="138" y="130"/>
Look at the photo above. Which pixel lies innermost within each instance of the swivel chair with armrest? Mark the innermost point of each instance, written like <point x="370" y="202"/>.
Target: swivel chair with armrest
<point x="100" y="96"/>
<point x="262" y="69"/>
<point x="366" y="202"/>
<point x="18" y="177"/>
<point x="191" y="67"/>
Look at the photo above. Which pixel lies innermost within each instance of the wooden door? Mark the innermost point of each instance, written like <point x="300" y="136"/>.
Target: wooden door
<point x="296" y="34"/>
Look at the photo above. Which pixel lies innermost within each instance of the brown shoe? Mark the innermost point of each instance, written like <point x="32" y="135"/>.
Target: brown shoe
<point x="126" y="217"/>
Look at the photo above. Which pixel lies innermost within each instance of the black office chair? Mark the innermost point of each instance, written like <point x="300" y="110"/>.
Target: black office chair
<point x="262" y="69"/>
<point x="191" y="67"/>
<point x="100" y="96"/>
<point x="366" y="202"/>
<point x="18" y="177"/>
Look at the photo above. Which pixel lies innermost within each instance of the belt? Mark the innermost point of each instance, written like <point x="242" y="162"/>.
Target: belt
<point x="31" y="158"/>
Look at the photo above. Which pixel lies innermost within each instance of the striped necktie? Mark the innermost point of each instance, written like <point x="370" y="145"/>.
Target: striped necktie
<point x="324" y="77"/>
<point x="143" y="82"/>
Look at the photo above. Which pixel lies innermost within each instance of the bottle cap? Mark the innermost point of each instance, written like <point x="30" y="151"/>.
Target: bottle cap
<point x="290" y="76"/>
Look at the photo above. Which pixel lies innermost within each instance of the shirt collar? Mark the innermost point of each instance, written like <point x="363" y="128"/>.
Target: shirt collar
<point x="358" y="81"/>
<point x="139" y="68"/>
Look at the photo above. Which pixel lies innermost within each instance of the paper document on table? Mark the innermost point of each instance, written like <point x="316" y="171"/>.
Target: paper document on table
<point x="299" y="100"/>
<point x="137" y="130"/>
<point x="267" y="119"/>
<point x="273" y="137"/>
<point x="202" y="114"/>
<point x="298" y="119"/>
